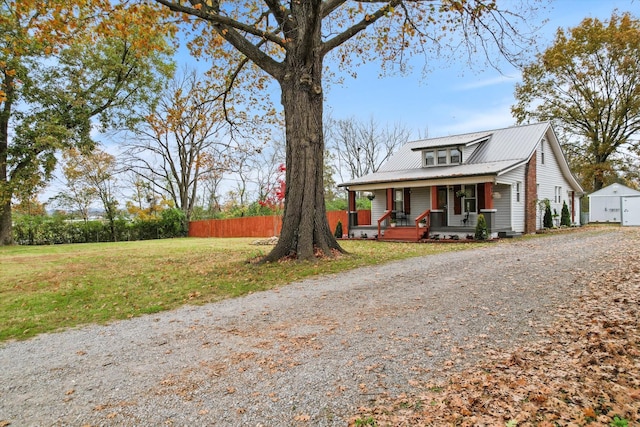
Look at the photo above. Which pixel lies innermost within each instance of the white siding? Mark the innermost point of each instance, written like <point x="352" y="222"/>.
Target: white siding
<point x="420" y="202"/>
<point x="549" y="176"/>
<point x="468" y="151"/>
<point x="516" y="208"/>
<point x="378" y="206"/>
<point x="502" y="205"/>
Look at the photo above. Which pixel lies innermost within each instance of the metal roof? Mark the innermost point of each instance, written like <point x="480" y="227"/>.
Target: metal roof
<point x="415" y="174"/>
<point x="499" y="150"/>
<point x="615" y="190"/>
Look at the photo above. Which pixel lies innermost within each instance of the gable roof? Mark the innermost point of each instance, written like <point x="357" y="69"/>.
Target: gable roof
<point x="498" y="152"/>
<point x="615" y="190"/>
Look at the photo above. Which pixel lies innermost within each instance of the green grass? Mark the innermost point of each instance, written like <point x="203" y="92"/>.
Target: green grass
<point x="47" y="288"/>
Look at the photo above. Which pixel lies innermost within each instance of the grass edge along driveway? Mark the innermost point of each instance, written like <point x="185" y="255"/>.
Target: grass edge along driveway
<point x="48" y="288"/>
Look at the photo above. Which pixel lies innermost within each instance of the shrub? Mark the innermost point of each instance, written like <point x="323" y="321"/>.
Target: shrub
<point x="338" y="232"/>
<point x="547" y="220"/>
<point x="173" y="223"/>
<point x="482" y="232"/>
<point x="565" y="218"/>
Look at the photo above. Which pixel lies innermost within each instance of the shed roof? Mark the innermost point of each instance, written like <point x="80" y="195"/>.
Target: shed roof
<point x="615" y="190"/>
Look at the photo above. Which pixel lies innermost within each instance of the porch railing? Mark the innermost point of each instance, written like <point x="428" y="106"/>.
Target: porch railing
<point x="386" y="215"/>
<point x="426" y="215"/>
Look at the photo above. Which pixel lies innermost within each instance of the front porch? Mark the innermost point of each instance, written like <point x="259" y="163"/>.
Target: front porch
<point x="437" y="212"/>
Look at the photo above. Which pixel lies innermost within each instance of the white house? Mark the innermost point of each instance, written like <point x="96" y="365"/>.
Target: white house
<point x="606" y="204"/>
<point x="448" y="181"/>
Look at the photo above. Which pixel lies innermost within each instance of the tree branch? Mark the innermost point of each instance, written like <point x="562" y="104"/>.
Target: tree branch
<point x="228" y="29"/>
<point x="350" y="32"/>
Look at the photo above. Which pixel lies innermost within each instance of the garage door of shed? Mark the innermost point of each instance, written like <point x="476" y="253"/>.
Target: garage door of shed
<point x="631" y="210"/>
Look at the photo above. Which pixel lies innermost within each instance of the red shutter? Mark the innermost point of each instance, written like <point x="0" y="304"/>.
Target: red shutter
<point x="480" y="197"/>
<point x="407" y="201"/>
<point x="457" y="201"/>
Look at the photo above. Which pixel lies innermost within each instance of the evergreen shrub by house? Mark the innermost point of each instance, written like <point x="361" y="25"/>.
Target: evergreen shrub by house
<point x="482" y="232"/>
<point x="338" y="232"/>
<point x="565" y="217"/>
<point x="547" y="220"/>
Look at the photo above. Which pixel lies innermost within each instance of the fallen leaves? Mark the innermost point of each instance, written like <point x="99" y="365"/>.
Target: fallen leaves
<point x="585" y="370"/>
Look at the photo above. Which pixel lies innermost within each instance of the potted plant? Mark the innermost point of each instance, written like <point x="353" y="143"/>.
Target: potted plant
<point x="422" y="223"/>
<point x="392" y="222"/>
<point x="462" y="193"/>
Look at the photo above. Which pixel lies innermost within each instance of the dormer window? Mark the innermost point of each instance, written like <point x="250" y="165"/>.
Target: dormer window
<point x="442" y="157"/>
<point x="454" y="155"/>
<point x="429" y="158"/>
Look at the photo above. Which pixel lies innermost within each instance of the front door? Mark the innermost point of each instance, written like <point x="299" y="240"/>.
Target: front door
<point x="442" y="203"/>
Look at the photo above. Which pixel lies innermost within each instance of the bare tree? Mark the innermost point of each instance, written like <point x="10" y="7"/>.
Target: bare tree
<point x="362" y="147"/>
<point x="178" y="144"/>
<point x="290" y="42"/>
<point x="91" y="176"/>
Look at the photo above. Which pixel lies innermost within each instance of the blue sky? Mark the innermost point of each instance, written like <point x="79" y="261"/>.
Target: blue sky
<point x="453" y="98"/>
<point x="450" y="99"/>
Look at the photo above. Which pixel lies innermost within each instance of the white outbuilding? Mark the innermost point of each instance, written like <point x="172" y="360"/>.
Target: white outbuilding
<point x="615" y="203"/>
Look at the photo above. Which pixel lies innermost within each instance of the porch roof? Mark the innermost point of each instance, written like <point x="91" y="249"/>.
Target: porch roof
<point x="438" y="173"/>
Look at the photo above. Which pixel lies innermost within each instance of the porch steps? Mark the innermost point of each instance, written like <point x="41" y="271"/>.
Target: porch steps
<point x="400" y="234"/>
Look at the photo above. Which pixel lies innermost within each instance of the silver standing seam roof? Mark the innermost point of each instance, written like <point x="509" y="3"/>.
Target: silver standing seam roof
<point x="499" y="150"/>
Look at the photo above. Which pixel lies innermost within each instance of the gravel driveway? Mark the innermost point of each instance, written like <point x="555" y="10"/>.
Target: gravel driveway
<point x="306" y="354"/>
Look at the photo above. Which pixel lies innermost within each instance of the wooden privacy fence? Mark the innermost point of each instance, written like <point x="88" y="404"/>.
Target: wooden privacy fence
<point x="262" y="226"/>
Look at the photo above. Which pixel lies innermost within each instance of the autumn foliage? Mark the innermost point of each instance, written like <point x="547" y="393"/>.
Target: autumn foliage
<point x="274" y="198"/>
<point x="582" y="371"/>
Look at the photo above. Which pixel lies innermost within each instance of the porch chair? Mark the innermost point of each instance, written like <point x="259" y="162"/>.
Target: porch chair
<point x="402" y="218"/>
<point x="465" y="220"/>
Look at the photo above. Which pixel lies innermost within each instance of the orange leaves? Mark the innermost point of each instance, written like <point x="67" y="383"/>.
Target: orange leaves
<point x="583" y="371"/>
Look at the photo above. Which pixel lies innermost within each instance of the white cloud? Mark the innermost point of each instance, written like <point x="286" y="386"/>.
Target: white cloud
<point x="510" y="79"/>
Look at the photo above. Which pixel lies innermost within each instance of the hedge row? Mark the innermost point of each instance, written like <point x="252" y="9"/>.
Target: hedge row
<point x="47" y="230"/>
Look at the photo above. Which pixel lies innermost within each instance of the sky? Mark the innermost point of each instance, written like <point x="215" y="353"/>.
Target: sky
<point x="452" y="98"/>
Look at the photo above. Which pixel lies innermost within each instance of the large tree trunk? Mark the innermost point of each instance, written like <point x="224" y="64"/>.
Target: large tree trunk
<point x="305" y="228"/>
<point x="6" y="231"/>
<point x="6" y="228"/>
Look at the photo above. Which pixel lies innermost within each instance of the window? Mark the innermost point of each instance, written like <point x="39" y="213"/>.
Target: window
<point x="455" y="155"/>
<point x="518" y="191"/>
<point x="429" y="158"/>
<point x="542" y="152"/>
<point x="442" y="157"/>
<point x="470" y="198"/>
<point x="398" y="200"/>
<point x="557" y="198"/>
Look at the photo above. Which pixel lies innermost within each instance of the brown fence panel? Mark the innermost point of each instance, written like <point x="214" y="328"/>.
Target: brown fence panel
<point x="364" y="217"/>
<point x="334" y="216"/>
<point x="251" y="226"/>
<point x="261" y="226"/>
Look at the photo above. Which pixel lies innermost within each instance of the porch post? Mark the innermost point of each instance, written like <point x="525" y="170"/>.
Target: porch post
<point x="488" y="195"/>
<point x="573" y="207"/>
<point x="352" y="214"/>
<point x="389" y="199"/>
<point x="434" y="197"/>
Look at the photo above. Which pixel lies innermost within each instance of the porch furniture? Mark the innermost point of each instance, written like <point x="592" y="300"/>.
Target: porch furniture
<point x="465" y="220"/>
<point x="402" y="218"/>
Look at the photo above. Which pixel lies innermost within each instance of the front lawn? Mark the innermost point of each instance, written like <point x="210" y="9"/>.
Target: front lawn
<point x="46" y="288"/>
